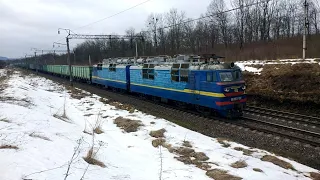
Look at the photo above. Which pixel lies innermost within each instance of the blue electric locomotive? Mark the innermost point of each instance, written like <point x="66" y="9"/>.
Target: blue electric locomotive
<point x="185" y="80"/>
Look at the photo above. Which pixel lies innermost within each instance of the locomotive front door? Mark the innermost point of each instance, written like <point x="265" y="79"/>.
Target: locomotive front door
<point x="195" y="85"/>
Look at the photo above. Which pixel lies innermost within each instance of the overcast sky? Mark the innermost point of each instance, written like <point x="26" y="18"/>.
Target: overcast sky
<point x="34" y="23"/>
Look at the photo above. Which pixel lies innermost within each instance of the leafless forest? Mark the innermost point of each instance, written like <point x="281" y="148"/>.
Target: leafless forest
<point x="249" y="29"/>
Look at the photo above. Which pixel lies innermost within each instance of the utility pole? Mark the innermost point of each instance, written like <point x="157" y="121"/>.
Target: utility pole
<point x="68" y="56"/>
<point x="69" y="61"/>
<point x="35" y="59"/>
<point x="54" y="60"/>
<point x="155" y="21"/>
<point x="304" y="45"/>
<point x="74" y="57"/>
<point x="36" y="62"/>
<point x="136" y="48"/>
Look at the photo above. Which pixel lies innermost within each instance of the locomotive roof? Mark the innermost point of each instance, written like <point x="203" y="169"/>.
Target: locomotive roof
<point x="193" y="62"/>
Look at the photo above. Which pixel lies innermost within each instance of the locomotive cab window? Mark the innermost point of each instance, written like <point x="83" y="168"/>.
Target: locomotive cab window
<point x="226" y="76"/>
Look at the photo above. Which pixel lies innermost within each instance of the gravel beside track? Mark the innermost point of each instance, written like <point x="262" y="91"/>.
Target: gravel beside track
<point x="213" y="127"/>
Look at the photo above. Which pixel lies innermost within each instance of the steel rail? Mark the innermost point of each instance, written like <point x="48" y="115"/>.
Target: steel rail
<point x="287" y="128"/>
<point x="284" y="115"/>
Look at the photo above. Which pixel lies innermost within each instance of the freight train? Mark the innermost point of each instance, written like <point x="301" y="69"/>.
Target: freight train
<point x="200" y="82"/>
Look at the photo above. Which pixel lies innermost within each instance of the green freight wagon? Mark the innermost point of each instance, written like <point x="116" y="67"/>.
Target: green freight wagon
<point x="82" y="72"/>
<point x="57" y="69"/>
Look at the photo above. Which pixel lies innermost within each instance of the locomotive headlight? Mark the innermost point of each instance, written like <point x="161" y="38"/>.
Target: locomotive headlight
<point x="226" y="89"/>
<point x="243" y="87"/>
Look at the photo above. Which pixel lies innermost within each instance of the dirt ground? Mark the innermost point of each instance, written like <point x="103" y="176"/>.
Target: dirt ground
<point x="286" y="86"/>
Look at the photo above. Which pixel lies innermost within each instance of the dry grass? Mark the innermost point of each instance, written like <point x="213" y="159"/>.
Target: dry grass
<point x="103" y="100"/>
<point x="204" y="166"/>
<point x="87" y="132"/>
<point x="314" y="175"/>
<point x="298" y="82"/>
<point x="186" y="144"/>
<point x="127" y="125"/>
<point x="258" y="66"/>
<point x="5" y="120"/>
<point x="7" y="146"/>
<point x="39" y="136"/>
<point x="239" y="164"/>
<point x="223" y="142"/>
<point x="98" y="130"/>
<point x="90" y="159"/>
<point x="126" y="107"/>
<point x="63" y="117"/>
<point x="277" y="162"/>
<point x="184" y="159"/>
<point x="257" y="170"/>
<point x="184" y="151"/>
<point x="157" y="142"/>
<point x="200" y="156"/>
<point x="219" y="174"/>
<point x="152" y="122"/>
<point x="158" y="133"/>
<point x="184" y="154"/>
<point x="245" y="151"/>
<point x="76" y="93"/>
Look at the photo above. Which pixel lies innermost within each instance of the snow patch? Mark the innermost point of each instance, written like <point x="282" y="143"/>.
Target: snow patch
<point x="248" y="65"/>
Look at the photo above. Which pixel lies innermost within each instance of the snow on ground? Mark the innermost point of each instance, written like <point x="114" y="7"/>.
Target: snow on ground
<point x="247" y="65"/>
<point x="2" y="72"/>
<point x="29" y="119"/>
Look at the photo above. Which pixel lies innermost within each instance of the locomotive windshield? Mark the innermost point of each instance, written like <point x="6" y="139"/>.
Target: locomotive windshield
<point x="230" y="76"/>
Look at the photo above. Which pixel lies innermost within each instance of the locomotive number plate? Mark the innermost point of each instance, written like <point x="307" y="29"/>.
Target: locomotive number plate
<point x="235" y="99"/>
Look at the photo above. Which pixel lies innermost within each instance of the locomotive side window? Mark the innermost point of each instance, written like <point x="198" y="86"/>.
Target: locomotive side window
<point x="145" y="71"/>
<point x="175" y="72"/>
<point x="214" y="77"/>
<point x="112" y="67"/>
<point x="99" y="67"/>
<point x="180" y="72"/>
<point x="148" y="71"/>
<point x="209" y="77"/>
<point x="151" y="71"/>
<point x="184" y="72"/>
<point x="237" y="75"/>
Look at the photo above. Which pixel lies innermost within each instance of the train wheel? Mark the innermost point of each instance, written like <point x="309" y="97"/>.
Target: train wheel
<point x="156" y="99"/>
<point x="203" y="110"/>
<point x="180" y="104"/>
<point x="142" y="96"/>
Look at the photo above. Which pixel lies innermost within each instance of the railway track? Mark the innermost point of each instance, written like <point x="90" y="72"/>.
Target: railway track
<point x="216" y="127"/>
<point x="301" y="128"/>
<point x="298" y="118"/>
<point x="299" y="135"/>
